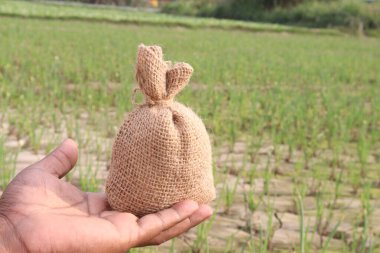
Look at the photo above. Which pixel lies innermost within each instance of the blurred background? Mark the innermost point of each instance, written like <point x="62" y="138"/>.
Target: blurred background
<point x="289" y="91"/>
<point x="353" y="14"/>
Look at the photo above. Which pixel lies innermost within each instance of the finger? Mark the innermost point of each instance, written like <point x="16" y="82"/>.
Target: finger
<point x="204" y="212"/>
<point x="97" y="203"/>
<point x="61" y="160"/>
<point x="152" y="225"/>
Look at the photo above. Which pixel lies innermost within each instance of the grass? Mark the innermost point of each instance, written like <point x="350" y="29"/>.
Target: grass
<point x="315" y="99"/>
<point x="46" y="10"/>
<point x="7" y="164"/>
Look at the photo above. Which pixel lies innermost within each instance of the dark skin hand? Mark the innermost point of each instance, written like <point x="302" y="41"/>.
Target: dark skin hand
<point x="39" y="212"/>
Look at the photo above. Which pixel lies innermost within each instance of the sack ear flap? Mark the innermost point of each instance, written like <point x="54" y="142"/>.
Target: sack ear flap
<point x="151" y="72"/>
<point x="157" y="50"/>
<point x="177" y="78"/>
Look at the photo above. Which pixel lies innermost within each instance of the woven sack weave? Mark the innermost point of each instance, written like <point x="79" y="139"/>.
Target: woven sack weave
<point x="162" y="153"/>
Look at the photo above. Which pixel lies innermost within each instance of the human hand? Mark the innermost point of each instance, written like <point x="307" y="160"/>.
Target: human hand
<point x="39" y="212"/>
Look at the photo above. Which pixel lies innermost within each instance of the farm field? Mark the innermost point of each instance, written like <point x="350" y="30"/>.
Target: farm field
<point x="294" y="120"/>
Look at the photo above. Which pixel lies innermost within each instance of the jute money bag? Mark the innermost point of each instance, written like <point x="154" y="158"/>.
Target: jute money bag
<point x="162" y="152"/>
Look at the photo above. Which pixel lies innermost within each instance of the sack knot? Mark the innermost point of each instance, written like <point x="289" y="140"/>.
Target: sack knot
<point x="160" y="80"/>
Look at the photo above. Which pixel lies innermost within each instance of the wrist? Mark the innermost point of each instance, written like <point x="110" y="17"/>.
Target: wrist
<point x="8" y="239"/>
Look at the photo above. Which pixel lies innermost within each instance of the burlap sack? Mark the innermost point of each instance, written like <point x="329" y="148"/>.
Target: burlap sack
<point x="162" y="153"/>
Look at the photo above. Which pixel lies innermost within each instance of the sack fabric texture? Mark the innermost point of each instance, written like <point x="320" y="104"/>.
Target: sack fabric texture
<point x="162" y="153"/>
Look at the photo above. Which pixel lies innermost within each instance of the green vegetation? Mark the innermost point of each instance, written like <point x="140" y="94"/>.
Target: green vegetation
<point x="126" y="16"/>
<point x="314" y="99"/>
<point x="283" y="86"/>
<point x="351" y="14"/>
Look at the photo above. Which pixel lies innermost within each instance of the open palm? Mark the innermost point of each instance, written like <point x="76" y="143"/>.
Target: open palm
<point x="43" y="213"/>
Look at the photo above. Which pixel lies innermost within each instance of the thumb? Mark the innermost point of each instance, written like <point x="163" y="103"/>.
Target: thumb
<point x="61" y="160"/>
